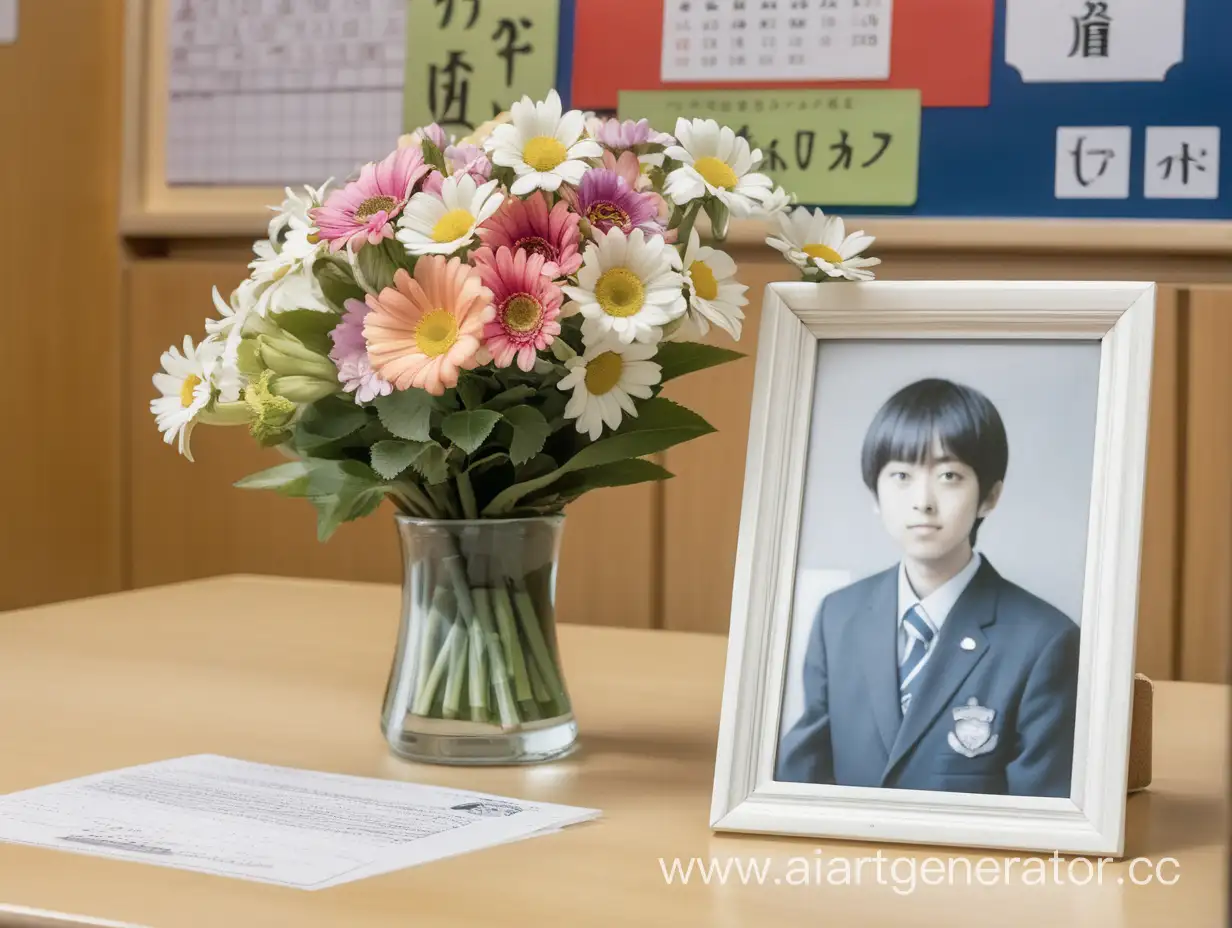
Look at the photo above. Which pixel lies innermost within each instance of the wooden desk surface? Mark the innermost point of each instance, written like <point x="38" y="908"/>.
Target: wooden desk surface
<point x="292" y="672"/>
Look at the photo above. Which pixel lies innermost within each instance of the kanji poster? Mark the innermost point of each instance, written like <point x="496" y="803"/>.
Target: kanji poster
<point x="468" y="60"/>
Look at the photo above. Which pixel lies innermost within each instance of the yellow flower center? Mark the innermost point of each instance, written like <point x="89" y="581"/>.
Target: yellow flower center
<point x="522" y="313"/>
<point x="825" y="252"/>
<point x="704" y="284"/>
<point x="373" y="205"/>
<point x="716" y="172"/>
<point x="453" y="225"/>
<point x="186" y="390"/>
<point x="619" y="292"/>
<point x="543" y="153"/>
<point x="436" y="333"/>
<point x="603" y="373"/>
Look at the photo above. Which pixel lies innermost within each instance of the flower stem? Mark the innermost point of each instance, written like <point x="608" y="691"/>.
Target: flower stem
<point x="417" y="496"/>
<point x="686" y="224"/>
<point x="423" y="702"/>
<point x="513" y="647"/>
<point x="499" y="669"/>
<point x="457" y="669"/>
<point x="437" y="612"/>
<point x="477" y="693"/>
<point x="466" y="494"/>
<point x="538" y="646"/>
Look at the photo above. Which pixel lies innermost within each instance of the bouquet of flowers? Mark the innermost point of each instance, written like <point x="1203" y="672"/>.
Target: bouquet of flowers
<point x="480" y="328"/>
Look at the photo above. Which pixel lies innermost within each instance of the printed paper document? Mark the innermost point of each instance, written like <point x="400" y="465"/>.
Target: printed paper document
<point x="281" y="825"/>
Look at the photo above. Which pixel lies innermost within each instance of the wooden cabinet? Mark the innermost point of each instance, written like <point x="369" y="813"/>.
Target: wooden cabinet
<point x="61" y="344"/>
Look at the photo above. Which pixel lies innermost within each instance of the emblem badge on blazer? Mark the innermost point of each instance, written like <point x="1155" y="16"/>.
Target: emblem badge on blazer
<point x="972" y="734"/>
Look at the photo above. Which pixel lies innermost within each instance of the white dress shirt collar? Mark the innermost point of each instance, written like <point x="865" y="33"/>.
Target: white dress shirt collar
<point x="937" y="604"/>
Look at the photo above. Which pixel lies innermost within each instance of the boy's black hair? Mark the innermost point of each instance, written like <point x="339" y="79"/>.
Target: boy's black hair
<point x="962" y="419"/>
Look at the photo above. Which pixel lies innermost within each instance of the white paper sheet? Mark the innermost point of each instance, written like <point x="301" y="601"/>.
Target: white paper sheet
<point x="805" y="40"/>
<point x="8" y="21"/>
<point x="295" y="828"/>
<point x="1094" y="40"/>
<point x="282" y="91"/>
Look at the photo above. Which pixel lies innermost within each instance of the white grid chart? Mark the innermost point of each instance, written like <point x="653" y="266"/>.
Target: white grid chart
<point x="282" y="91"/>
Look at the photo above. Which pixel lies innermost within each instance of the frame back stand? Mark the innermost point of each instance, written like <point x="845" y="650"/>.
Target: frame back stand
<point x="1140" y="735"/>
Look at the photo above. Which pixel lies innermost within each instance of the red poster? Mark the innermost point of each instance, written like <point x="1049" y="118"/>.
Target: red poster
<point x="941" y="47"/>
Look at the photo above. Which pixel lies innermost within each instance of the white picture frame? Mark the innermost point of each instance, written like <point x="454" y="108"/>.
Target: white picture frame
<point x="795" y="318"/>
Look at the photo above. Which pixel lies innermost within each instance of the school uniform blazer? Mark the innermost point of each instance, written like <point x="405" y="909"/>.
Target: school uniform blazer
<point x="1024" y="667"/>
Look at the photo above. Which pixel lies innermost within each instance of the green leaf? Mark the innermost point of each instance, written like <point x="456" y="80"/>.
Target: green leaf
<point x="390" y="458"/>
<point x="485" y="463"/>
<point x="327" y="421"/>
<point x="680" y="358"/>
<point x="433" y="155"/>
<point x="275" y="478"/>
<point x="660" y="424"/>
<point x="432" y="463"/>
<point x="511" y="397"/>
<point x="470" y="390"/>
<point x="468" y="429"/>
<point x="616" y="474"/>
<point x="377" y="266"/>
<point x="310" y="326"/>
<point x="537" y="466"/>
<point x="337" y="282"/>
<point x="406" y="413"/>
<point x="530" y="431"/>
<point x="349" y="503"/>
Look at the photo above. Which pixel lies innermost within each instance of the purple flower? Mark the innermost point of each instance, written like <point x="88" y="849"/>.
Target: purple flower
<point x="607" y="201"/>
<point x="468" y="159"/>
<point x="350" y="356"/>
<point x="619" y="135"/>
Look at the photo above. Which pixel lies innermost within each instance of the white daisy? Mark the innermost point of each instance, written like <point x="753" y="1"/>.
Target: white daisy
<point x="810" y="239"/>
<point x="186" y="387"/>
<point x="228" y="330"/>
<point x="715" y="161"/>
<point x="440" y="225"/>
<point x="628" y="286"/>
<point x="776" y="201"/>
<point x="299" y="246"/>
<point x="544" y="148"/>
<point x="715" y="296"/>
<point x="294" y="210"/>
<point x="605" y="380"/>
<point x="298" y="288"/>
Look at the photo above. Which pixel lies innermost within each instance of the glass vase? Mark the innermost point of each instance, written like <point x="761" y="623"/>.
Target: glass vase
<point x="476" y="675"/>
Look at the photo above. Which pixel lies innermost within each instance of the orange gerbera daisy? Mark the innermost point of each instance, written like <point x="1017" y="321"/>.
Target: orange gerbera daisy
<point x="425" y="329"/>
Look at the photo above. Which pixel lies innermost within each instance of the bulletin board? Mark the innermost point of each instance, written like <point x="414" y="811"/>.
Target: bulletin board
<point x="987" y="154"/>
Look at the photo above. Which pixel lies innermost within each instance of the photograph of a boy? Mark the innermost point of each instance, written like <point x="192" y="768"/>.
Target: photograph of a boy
<point x="936" y="673"/>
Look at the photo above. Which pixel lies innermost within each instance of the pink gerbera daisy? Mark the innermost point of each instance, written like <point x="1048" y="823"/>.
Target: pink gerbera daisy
<point x="527" y="307"/>
<point x="424" y="330"/>
<point x="364" y="210"/>
<point x="527" y="225"/>
<point x="607" y="202"/>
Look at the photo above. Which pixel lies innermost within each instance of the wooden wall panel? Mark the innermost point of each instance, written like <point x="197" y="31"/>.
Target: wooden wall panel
<point x="1206" y="602"/>
<point x="1159" y="586"/>
<point x="59" y="353"/>
<point x="702" y="505"/>
<point x="186" y="519"/>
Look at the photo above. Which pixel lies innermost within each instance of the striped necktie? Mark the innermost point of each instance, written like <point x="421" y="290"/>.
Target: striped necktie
<point x="920" y="635"/>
